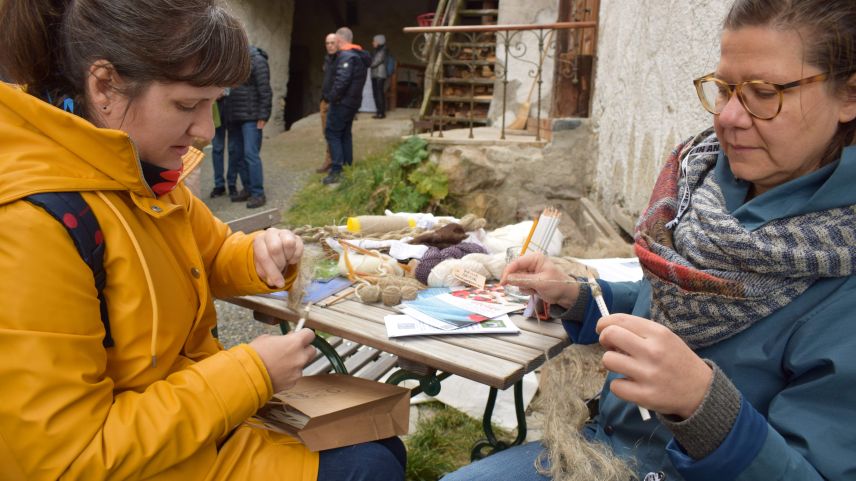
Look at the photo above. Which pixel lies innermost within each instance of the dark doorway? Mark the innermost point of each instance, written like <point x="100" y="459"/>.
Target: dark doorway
<point x="313" y="20"/>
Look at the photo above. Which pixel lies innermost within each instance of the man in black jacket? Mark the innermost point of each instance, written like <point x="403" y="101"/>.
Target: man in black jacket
<point x="332" y="46"/>
<point x="249" y="109"/>
<point x="345" y="96"/>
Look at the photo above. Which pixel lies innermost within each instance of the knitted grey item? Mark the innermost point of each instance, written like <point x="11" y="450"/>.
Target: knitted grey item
<point x="703" y="432"/>
<point x="577" y="312"/>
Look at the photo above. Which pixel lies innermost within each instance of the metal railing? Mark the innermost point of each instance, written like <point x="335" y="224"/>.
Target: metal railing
<point x="471" y="48"/>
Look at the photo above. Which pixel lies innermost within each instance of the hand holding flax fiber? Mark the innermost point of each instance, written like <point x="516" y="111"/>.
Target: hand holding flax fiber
<point x="566" y="382"/>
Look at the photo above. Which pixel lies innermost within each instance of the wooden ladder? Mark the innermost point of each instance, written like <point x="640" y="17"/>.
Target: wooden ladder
<point x="466" y="80"/>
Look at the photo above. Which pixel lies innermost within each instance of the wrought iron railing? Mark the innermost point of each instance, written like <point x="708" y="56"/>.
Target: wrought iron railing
<point x="469" y="49"/>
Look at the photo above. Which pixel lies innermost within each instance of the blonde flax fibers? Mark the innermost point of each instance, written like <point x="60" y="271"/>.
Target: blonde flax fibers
<point x="566" y="380"/>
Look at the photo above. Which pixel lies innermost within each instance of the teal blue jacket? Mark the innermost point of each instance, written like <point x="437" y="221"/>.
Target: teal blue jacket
<point x="796" y="369"/>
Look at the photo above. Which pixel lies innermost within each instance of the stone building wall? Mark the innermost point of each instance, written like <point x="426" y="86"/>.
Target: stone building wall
<point x="269" y="26"/>
<point x="644" y="101"/>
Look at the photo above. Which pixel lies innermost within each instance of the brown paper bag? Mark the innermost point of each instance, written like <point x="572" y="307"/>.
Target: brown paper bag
<point x="334" y="410"/>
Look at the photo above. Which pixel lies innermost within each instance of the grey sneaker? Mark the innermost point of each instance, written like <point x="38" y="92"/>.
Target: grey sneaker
<point x="256" y="201"/>
<point x="332" y="178"/>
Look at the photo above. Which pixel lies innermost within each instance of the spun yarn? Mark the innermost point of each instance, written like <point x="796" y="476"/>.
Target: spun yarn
<point x="370" y="265"/>
<point x="391" y="296"/>
<point x="442" y="275"/>
<point x="435" y="256"/>
<point x="367" y="293"/>
<point x="408" y="293"/>
<point x="471" y="222"/>
<point x="494" y="263"/>
<point x="400" y="282"/>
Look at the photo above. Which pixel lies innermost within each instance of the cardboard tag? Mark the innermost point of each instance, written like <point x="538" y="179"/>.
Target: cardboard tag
<point x="469" y="277"/>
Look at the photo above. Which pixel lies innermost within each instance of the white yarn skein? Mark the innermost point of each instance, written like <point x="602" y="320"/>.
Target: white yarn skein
<point x="442" y="274"/>
<point x="370" y="265"/>
<point x="494" y="263"/>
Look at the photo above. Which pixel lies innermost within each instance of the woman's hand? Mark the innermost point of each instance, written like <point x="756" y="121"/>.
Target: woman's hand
<point x="661" y="372"/>
<point x="273" y="252"/>
<point x="535" y="274"/>
<point x="285" y="356"/>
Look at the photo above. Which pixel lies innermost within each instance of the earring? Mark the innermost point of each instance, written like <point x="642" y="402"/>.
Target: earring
<point x="103" y="107"/>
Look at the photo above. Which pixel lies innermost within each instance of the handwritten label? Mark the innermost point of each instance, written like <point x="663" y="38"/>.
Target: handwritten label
<point x="469" y="277"/>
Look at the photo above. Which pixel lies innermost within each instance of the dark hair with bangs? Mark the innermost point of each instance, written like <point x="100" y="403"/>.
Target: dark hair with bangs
<point x="49" y="45"/>
<point x="830" y="27"/>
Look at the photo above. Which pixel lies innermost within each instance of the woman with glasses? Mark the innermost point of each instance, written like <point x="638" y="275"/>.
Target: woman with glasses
<point x="742" y="335"/>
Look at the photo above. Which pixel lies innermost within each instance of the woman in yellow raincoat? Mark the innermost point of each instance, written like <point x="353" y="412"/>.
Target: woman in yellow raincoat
<point x="137" y="79"/>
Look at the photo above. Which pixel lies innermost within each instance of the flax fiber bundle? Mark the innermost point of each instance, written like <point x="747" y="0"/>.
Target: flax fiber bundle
<point x="566" y="381"/>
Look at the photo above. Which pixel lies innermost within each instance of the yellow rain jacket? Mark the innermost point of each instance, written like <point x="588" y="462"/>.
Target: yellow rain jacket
<point x="72" y="409"/>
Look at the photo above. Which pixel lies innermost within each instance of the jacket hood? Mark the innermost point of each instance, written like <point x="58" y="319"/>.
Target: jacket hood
<point x="258" y="51"/>
<point x="45" y="149"/>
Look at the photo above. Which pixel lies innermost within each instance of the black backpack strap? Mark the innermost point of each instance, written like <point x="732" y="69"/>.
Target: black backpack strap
<point x="74" y="214"/>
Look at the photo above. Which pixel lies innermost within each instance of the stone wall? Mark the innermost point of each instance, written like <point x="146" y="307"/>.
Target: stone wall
<point x="644" y="100"/>
<point x="269" y="25"/>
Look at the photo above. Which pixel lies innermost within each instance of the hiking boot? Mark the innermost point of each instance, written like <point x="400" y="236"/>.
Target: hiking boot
<point x="217" y="192"/>
<point x="332" y="178"/>
<point x="324" y="168"/>
<point x="256" y="201"/>
<point x="240" y="196"/>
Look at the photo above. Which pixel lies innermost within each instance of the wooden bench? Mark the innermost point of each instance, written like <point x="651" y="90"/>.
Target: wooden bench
<point x="351" y="357"/>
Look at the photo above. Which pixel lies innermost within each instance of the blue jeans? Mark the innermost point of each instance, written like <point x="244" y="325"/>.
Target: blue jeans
<point x="382" y="460"/>
<point x="513" y="464"/>
<point x="340" y="118"/>
<point x="218" y="145"/>
<point x="245" y="142"/>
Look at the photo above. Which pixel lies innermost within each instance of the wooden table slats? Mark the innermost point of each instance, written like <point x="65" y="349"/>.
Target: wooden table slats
<point x="495" y="360"/>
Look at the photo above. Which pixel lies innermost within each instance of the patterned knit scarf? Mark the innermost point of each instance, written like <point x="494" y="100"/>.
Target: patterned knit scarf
<point x="710" y="277"/>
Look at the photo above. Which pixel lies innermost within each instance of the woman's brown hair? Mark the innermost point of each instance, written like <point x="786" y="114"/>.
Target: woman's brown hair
<point x="49" y="45"/>
<point x="829" y="31"/>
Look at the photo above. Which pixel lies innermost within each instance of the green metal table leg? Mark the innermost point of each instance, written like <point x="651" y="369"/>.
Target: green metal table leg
<point x="428" y="383"/>
<point x="491" y="442"/>
<point x="326" y="349"/>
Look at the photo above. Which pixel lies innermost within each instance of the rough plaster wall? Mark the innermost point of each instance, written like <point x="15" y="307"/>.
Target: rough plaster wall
<point x="269" y="25"/>
<point x="648" y="53"/>
<point x="523" y="55"/>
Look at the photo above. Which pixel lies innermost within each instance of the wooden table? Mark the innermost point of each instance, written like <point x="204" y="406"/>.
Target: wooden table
<point x="498" y="361"/>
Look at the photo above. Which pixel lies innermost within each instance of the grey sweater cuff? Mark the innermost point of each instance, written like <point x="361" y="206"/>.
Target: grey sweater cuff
<point x="577" y="312"/>
<point x="703" y="432"/>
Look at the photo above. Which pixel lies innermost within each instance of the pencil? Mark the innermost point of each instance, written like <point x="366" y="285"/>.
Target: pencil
<point x="601" y="306"/>
<point x="302" y="319"/>
<point x="529" y="237"/>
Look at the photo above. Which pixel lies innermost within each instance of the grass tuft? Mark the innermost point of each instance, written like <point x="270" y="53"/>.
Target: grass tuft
<point x="400" y="179"/>
<point x="442" y="442"/>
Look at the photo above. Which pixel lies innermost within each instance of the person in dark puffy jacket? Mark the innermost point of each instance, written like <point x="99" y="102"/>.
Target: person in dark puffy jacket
<point x="345" y="96"/>
<point x="249" y="107"/>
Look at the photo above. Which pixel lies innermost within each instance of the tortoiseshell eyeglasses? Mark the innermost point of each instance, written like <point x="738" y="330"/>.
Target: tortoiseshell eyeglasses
<point x="762" y="99"/>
